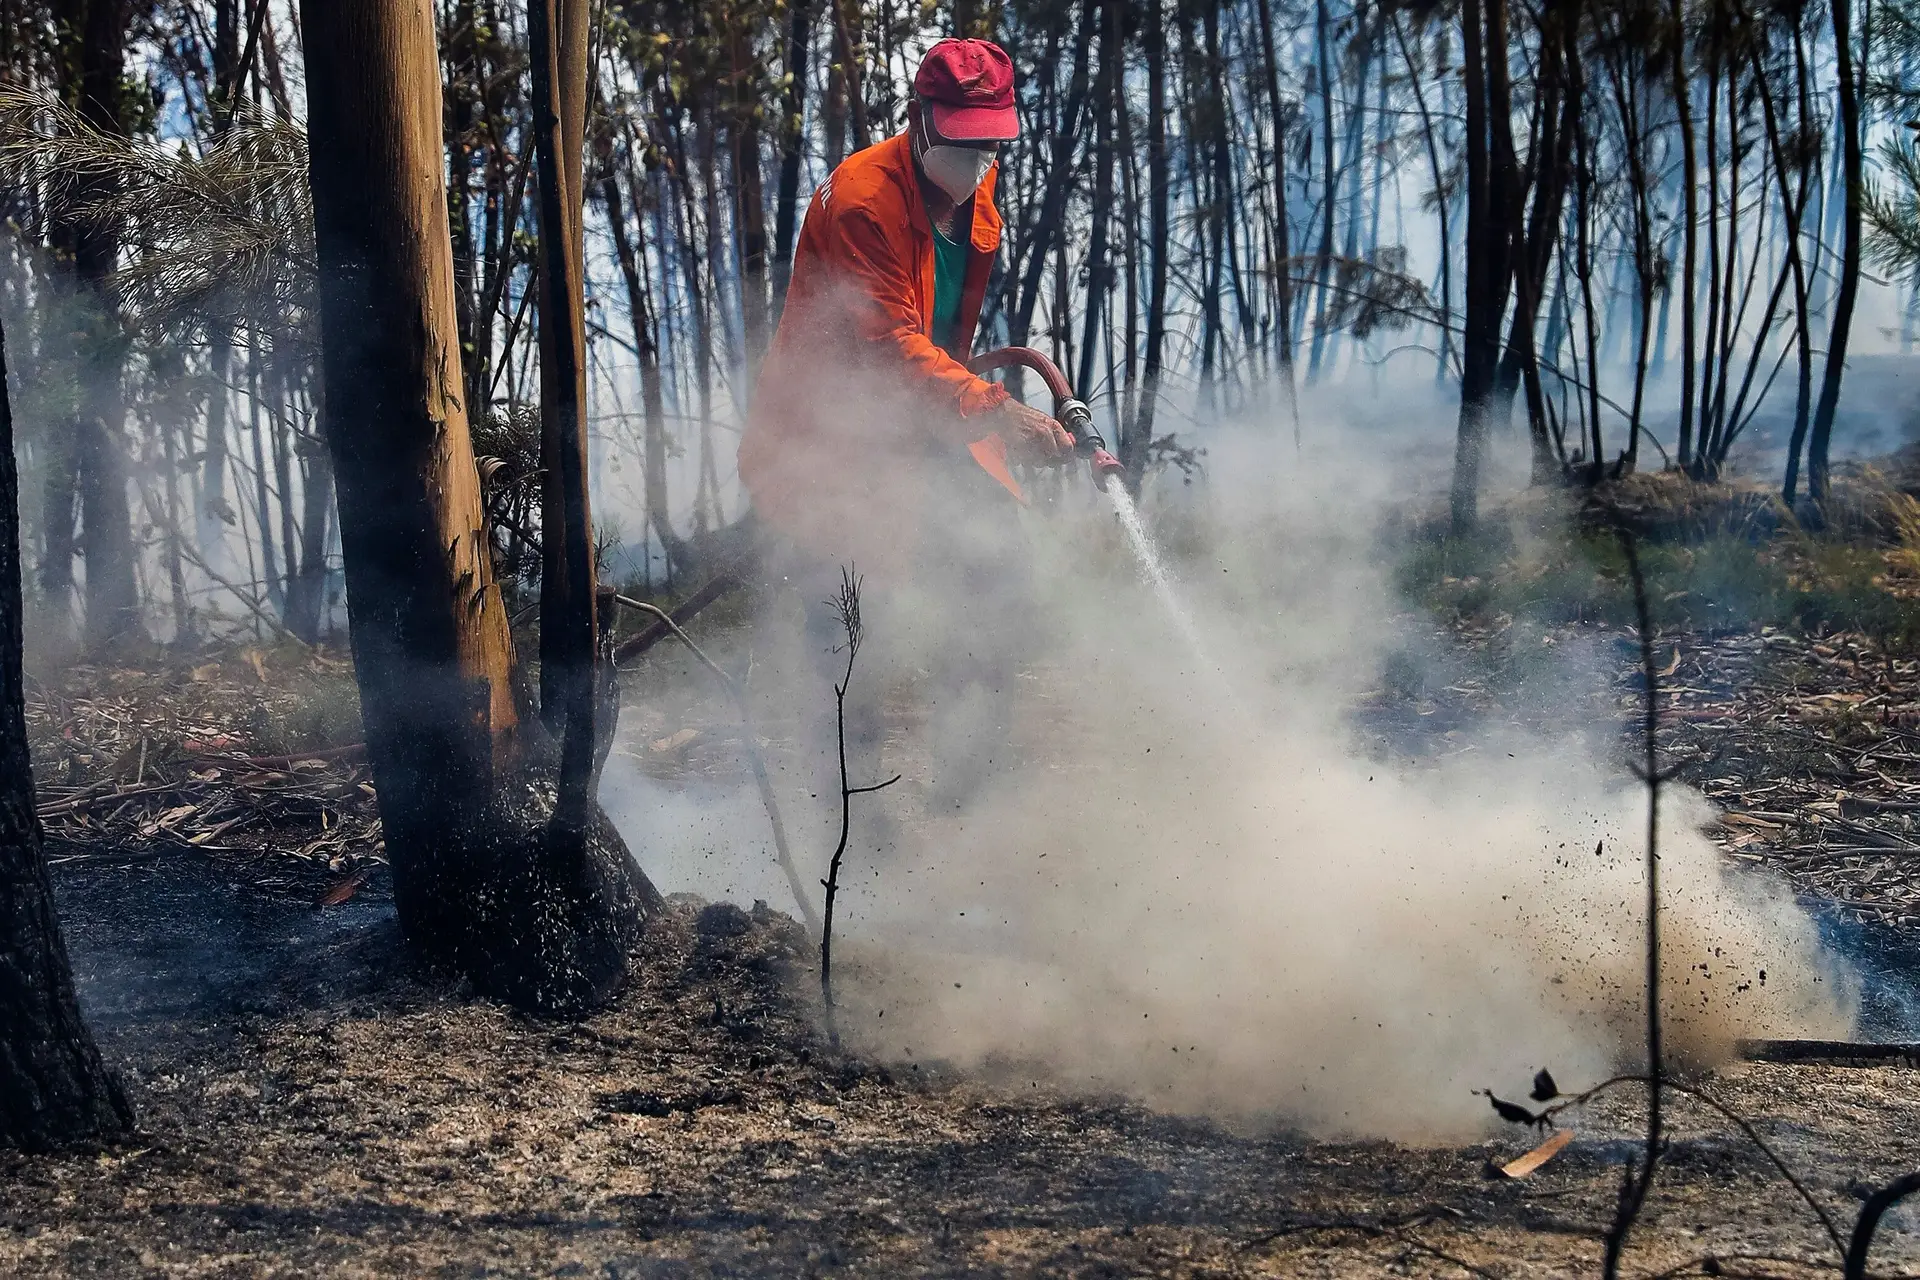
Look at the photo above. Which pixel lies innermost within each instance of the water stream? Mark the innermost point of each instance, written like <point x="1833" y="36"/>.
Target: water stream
<point x="1155" y="570"/>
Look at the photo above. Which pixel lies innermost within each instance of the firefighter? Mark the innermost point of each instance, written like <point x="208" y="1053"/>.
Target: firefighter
<point x="868" y="441"/>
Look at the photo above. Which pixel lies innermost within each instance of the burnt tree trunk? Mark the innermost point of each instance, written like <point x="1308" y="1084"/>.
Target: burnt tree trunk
<point x="1050" y="225"/>
<point x="213" y="511"/>
<point x="557" y="46"/>
<point x="1137" y="440"/>
<point x="1282" y="230"/>
<point x="54" y="1088"/>
<point x="1099" y="274"/>
<point x="792" y="138"/>
<point x="464" y="781"/>
<point x="1852" y="161"/>
<point x="652" y="393"/>
<point x="1683" y="112"/>
<point x="749" y="206"/>
<point x="1490" y="185"/>
<point x="99" y="451"/>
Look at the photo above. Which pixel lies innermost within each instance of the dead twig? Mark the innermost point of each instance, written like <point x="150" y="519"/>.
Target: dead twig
<point x="1745" y="1126"/>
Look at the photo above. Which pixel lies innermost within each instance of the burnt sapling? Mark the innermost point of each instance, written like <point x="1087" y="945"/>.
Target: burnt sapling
<point x="847" y="604"/>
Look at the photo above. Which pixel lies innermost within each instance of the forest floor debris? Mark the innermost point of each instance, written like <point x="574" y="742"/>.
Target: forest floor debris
<point x="243" y="756"/>
<point x="312" y="1104"/>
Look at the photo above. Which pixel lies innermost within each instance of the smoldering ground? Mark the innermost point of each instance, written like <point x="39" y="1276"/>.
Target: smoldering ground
<point x="1185" y="879"/>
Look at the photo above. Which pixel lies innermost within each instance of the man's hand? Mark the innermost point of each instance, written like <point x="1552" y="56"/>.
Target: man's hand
<point x="1033" y="437"/>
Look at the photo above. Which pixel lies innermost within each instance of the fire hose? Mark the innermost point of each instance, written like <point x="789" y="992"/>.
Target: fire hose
<point x="1071" y="412"/>
<point x="991" y="453"/>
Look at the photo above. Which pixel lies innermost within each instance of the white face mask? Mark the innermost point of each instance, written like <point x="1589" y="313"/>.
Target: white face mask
<point x="958" y="171"/>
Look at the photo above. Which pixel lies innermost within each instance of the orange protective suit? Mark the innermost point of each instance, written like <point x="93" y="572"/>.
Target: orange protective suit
<point x="855" y="400"/>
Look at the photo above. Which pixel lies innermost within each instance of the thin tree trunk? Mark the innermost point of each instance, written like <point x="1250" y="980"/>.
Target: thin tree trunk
<point x="652" y="399"/>
<point x="786" y="219"/>
<point x="1819" y="480"/>
<point x="749" y="207"/>
<point x="308" y="583"/>
<point x="1683" y="108"/>
<point x="262" y="511"/>
<point x="1282" y="222"/>
<point x="847" y="55"/>
<point x="1442" y="204"/>
<point x="1703" y="397"/>
<point x="1106" y="102"/>
<point x="1794" y="203"/>
<point x="59" y="509"/>
<point x="1136" y="443"/>
<point x="463" y="90"/>
<point x="214" y="513"/>
<point x="1489" y="203"/>
<point x="1323" y="261"/>
<point x="1583" y="248"/>
<point x="1050" y="224"/>
<point x="113" y="603"/>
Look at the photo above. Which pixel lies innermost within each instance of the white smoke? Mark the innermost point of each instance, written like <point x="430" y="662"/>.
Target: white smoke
<point x="1188" y="882"/>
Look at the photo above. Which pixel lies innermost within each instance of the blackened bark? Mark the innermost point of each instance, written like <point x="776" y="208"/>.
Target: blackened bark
<point x="1099" y="275"/>
<point x="557" y="47"/>
<point x="1549" y="169"/>
<point x="465" y="796"/>
<point x="1852" y="161"/>
<point x="59" y="509"/>
<point x="306" y="585"/>
<point x="214" y="512"/>
<point x="749" y="206"/>
<point x="792" y="138"/>
<point x="1683" y="110"/>
<point x="1282" y="223"/>
<point x="1135" y="444"/>
<point x="99" y="450"/>
<point x="1490" y="185"/>
<point x="54" y="1088"/>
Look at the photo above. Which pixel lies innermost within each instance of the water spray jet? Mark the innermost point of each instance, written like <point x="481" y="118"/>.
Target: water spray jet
<point x="1073" y="414"/>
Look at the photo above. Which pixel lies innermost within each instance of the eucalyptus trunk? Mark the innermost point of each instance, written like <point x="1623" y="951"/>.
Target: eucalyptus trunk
<point x="480" y="881"/>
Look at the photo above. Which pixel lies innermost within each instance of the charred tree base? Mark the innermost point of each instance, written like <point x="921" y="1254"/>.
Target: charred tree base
<point x="540" y="913"/>
<point x="54" y="1088"/>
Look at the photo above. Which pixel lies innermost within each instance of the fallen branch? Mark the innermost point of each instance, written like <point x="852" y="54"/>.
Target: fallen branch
<point x="670" y="623"/>
<point x="756" y="759"/>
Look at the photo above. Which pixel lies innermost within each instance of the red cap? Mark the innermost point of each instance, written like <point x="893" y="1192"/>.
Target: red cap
<point x="968" y="84"/>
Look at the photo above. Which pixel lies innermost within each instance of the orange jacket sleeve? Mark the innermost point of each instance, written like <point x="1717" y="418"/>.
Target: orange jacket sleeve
<point x="887" y="320"/>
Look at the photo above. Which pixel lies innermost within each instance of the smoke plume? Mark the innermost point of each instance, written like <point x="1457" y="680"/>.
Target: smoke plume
<point x="1189" y="879"/>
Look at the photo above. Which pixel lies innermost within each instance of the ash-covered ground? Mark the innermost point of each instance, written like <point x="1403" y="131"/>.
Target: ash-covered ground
<point x="311" y="1105"/>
